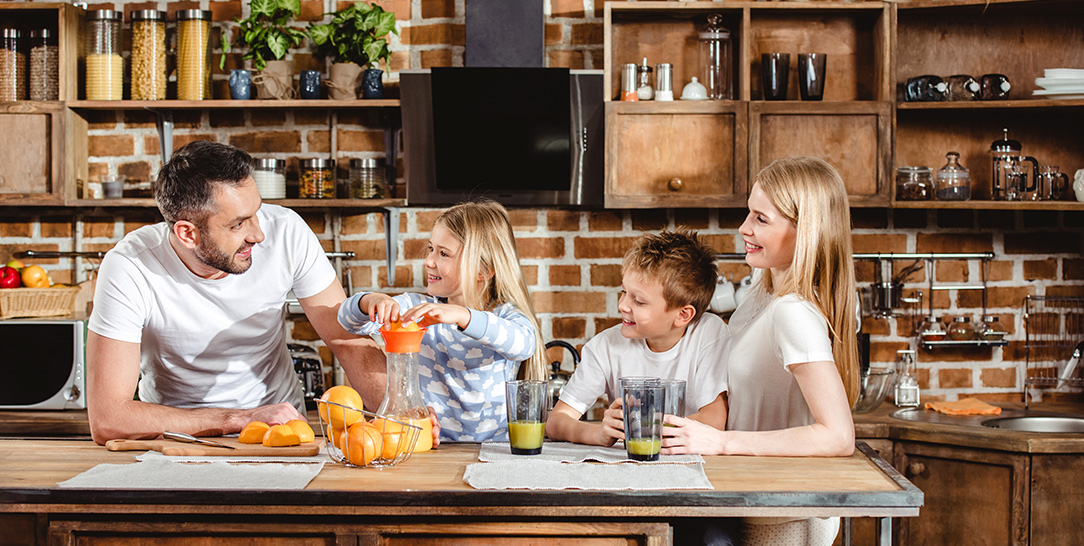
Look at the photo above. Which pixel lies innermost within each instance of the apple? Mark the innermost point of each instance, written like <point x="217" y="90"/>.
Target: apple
<point x="16" y="264"/>
<point x="9" y="277"/>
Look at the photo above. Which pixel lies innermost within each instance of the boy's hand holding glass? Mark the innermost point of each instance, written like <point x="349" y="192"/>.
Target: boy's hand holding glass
<point x="613" y="424"/>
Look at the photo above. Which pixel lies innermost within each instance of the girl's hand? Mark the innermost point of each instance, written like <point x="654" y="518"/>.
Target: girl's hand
<point x="689" y="436"/>
<point x="613" y="423"/>
<point x="439" y="313"/>
<point x="381" y="308"/>
<point x="436" y="425"/>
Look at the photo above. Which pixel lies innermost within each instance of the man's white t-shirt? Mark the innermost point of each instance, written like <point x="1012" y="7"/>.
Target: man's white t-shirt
<point x="211" y="343"/>
<point x="699" y="358"/>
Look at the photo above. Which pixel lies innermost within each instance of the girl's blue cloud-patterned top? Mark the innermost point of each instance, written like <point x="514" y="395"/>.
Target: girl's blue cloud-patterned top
<point x="462" y="372"/>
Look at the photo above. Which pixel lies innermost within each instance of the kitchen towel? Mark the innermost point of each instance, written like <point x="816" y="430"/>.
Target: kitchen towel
<point x="967" y="406"/>
<point x="159" y="473"/>
<point x="565" y="452"/>
<point x="541" y="474"/>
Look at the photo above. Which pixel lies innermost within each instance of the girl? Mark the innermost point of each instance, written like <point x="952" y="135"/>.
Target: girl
<point x="483" y="321"/>
<point x="793" y="363"/>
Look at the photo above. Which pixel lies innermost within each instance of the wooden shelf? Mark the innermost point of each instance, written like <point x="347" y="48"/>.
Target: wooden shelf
<point x="990" y="205"/>
<point x="137" y="202"/>
<point x="229" y="104"/>
<point x="991" y="104"/>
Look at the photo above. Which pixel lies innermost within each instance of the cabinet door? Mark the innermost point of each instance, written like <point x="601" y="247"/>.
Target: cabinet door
<point x="971" y="496"/>
<point x="1057" y="514"/>
<point x="675" y="154"/>
<point x="43" y="150"/>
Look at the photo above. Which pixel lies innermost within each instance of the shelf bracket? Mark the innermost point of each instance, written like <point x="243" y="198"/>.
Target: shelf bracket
<point x="164" y="122"/>
<point x="391" y="238"/>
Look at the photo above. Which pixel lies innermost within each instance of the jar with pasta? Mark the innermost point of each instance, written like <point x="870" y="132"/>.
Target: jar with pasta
<point x="148" y="57"/>
<point x="12" y="66"/>
<point x="317" y="179"/>
<point x="104" y="65"/>
<point x="193" y="54"/>
<point x="44" y="65"/>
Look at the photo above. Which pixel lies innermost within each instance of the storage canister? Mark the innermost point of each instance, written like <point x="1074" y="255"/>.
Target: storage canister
<point x="953" y="180"/>
<point x="148" y="54"/>
<point x="104" y="65"/>
<point x="317" y="179"/>
<point x="270" y="177"/>
<point x="716" y="59"/>
<point x="369" y="178"/>
<point x="44" y="65"/>
<point x="914" y="184"/>
<point x="12" y="66"/>
<point x="193" y="54"/>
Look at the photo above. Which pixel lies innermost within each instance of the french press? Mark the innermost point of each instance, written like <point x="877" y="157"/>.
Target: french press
<point x="1012" y="180"/>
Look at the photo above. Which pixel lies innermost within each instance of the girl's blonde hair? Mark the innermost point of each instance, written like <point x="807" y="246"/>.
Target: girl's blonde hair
<point x="489" y="251"/>
<point x="810" y="193"/>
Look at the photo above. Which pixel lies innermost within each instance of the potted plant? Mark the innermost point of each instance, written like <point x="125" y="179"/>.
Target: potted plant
<point x="266" y="33"/>
<point x="355" y="37"/>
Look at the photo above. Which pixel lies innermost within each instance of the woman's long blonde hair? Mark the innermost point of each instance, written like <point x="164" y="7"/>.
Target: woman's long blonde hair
<point x="489" y="251"/>
<point x="810" y="193"/>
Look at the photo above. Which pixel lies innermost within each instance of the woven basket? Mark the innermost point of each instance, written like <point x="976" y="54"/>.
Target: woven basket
<point x="37" y="302"/>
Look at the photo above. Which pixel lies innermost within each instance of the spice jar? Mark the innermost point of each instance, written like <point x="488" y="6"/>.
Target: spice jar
<point x="368" y="178"/>
<point x="12" y="66"/>
<point x="104" y="65"/>
<point x="44" y="66"/>
<point x="953" y="180"/>
<point x="961" y="329"/>
<point x="932" y="329"/>
<point x="270" y="177"/>
<point x="913" y="184"/>
<point x="664" y="82"/>
<point x="991" y="329"/>
<point x="193" y="54"/>
<point x="148" y="55"/>
<point x="317" y="179"/>
<point x="644" y="91"/>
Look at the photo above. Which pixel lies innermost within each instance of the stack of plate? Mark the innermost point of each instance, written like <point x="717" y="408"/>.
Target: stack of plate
<point x="1061" y="83"/>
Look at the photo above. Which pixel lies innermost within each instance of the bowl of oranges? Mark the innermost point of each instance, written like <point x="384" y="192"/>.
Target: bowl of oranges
<point x="360" y="438"/>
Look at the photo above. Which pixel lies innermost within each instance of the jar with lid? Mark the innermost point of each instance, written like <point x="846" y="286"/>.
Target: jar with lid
<point x="991" y="329"/>
<point x="104" y="65"/>
<point x="716" y="59"/>
<point x="44" y="65"/>
<point x="932" y="329"/>
<point x="368" y="178"/>
<point x="961" y="329"/>
<point x="914" y="184"/>
<point x="644" y="91"/>
<point x="12" y="66"/>
<point x="193" y="54"/>
<point x="953" y="180"/>
<point x="317" y="179"/>
<point x="628" y="82"/>
<point x="906" y="382"/>
<point x="148" y="57"/>
<point x="270" y="177"/>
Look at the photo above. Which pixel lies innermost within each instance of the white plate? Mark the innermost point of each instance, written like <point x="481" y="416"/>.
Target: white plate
<point x="1059" y="83"/>
<point x="1059" y="95"/>
<point x="1064" y="73"/>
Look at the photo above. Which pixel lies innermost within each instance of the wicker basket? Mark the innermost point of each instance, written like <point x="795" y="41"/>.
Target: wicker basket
<point x="37" y="302"/>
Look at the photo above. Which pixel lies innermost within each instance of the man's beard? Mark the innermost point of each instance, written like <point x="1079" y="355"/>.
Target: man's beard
<point x="210" y="255"/>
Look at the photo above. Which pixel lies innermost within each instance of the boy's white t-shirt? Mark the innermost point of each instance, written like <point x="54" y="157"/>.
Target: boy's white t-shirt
<point x="699" y="358"/>
<point x="211" y="343"/>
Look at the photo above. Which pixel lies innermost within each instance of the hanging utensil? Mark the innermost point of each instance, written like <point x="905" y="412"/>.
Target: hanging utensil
<point x="189" y="439"/>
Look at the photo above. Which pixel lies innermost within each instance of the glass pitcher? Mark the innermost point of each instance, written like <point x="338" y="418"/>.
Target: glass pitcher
<point x="1010" y="168"/>
<point x="403" y="397"/>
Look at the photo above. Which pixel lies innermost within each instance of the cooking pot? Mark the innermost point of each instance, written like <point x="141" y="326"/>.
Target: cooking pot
<point x="559" y="378"/>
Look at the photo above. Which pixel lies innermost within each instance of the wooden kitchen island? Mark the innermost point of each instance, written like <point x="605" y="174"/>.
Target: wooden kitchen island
<point x="423" y="501"/>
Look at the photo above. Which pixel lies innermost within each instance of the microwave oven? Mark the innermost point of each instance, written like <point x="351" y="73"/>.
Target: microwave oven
<point x="44" y="364"/>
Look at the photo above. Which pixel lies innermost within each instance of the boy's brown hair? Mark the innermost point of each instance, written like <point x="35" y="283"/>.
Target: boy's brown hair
<point x="680" y="262"/>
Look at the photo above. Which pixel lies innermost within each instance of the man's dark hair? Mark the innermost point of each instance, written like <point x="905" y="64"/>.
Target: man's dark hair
<point x="185" y="186"/>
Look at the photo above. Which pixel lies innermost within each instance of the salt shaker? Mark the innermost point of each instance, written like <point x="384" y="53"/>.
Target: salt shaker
<point x="664" y="82"/>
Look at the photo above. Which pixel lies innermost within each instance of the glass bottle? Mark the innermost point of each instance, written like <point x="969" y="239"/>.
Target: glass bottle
<point x="194" y="54"/>
<point x="403" y="400"/>
<point x="317" y="179"/>
<point x="644" y="91"/>
<point x="44" y="65"/>
<point x="906" y="382"/>
<point x="368" y="178"/>
<point x="148" y="58"/>
<point x="961" y="329"/>
<point x="913" y="184"/>
<point x="953" y="180"/>
<point x="991" y="329"/>
<point x="104" y="65"/>
<point x="716" y="59"/>
<point x="12" y="66"/>
<point x="270" y="177"/>
<point x="932" y="329"/>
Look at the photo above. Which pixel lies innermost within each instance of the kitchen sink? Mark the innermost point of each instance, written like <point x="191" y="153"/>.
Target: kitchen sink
<point x="1035" y="423"/>
<point x="1010" y="419"/>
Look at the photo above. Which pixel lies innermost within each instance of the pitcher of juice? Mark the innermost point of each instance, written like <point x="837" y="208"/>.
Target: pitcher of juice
<point x="403" y="396"/>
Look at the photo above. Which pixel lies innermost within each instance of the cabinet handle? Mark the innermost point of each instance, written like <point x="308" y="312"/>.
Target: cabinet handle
<point x="914" y="469"/>
<point x="674" y="184"/>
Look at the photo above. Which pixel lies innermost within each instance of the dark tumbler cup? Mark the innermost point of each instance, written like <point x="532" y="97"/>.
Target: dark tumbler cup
<point x="775" y="70"/>
<point x="811" y="75"/>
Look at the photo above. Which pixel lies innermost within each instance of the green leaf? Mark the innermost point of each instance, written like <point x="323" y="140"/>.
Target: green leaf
<point x="262" y="7"/>
<point x="278" y="45"/>
<point x="320" y="33"/>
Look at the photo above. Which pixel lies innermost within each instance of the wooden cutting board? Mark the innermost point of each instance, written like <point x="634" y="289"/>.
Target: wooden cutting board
<point x="173" y="447"/>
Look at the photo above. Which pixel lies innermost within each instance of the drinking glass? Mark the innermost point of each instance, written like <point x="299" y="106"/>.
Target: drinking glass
<point x="811" y="75"/>
<point x="775" y="71"/>
<point x="675" y="397"/>
<point x="527" y="404"/>
<point x="643" y="405"/>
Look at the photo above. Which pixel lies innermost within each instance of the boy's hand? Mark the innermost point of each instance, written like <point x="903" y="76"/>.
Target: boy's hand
<point x="381" y="308"/>
<point x="443" y="313"/>
<point x="613" y="423"/>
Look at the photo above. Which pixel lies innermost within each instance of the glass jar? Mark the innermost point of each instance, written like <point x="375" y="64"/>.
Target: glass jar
<point x="991" y="329"/>
<point x="953" y="180"/>
<point x="932" y="329"/>
<point x="44" y="65"/>
<point x="961" y="329"/>
<point x="716" y="59"/>
<point x="914" y="184"/>
<point x="644" y="91"/>
<point x="270" y="177"/>
<point x="12" y="66"/>
<point x="403" y="399"/>
<point x="317" y="179"/>
<point x="193" y="54"/>
<point x="148" y="57"/>
<point x="906" y="382"/>
<point x="368" y="178"/>
<point x="104" y="65"/>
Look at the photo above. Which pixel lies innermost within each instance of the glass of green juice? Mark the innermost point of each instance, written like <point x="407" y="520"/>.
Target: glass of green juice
<point x="527" y="403"/>
<point x="643" y="405"/>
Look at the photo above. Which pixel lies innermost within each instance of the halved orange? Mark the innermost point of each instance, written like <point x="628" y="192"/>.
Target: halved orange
<point x="253" y="433"/>
<point x="303" y="430"/>
<point x="281" y="436"/>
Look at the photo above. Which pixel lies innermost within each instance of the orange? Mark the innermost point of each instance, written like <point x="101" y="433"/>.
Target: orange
<point x="395" y="436"/>
<point x="340" y="417"/>
<point x="363" y="443"/>
<point x="34" y="276"/>
<point x="400" y="327"/>
<point x="281" y="436"/>
<point x="253" y="433"/>
<point x="335" y="436"/>
<point x="303" y="430"/>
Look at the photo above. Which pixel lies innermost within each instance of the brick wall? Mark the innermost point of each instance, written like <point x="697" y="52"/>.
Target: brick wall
<point x="571" y="258"/>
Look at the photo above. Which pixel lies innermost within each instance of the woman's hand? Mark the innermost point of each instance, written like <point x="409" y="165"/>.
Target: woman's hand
<point x="613" y="423"/>
<point x="442" y="313"/>
<point x="381" y="308"/>
<point x="689" y="436"/>
<point x="436" y="425"/>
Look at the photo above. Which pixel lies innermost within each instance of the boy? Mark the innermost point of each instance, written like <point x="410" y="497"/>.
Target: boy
<point x="667" y="281"/>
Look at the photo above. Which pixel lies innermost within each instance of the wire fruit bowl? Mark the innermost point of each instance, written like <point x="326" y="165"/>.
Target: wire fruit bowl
<point x="370" y="440"/>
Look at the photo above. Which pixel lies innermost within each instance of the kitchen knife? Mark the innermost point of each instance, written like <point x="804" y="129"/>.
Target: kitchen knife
<point x="188" y="438"/>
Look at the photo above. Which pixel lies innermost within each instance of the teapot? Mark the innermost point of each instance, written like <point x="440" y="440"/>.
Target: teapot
<point x="558" y="378"/>
<point x="1012" y="178"/>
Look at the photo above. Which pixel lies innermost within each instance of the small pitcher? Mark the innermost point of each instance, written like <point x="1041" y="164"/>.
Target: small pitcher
<point x="1051" y="183"/>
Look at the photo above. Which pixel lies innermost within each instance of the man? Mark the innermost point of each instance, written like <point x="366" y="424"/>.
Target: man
<point x="192" y="309"/>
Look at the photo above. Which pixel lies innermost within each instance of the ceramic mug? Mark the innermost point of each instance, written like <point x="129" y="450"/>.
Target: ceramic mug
<point x="724" y="300"/>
